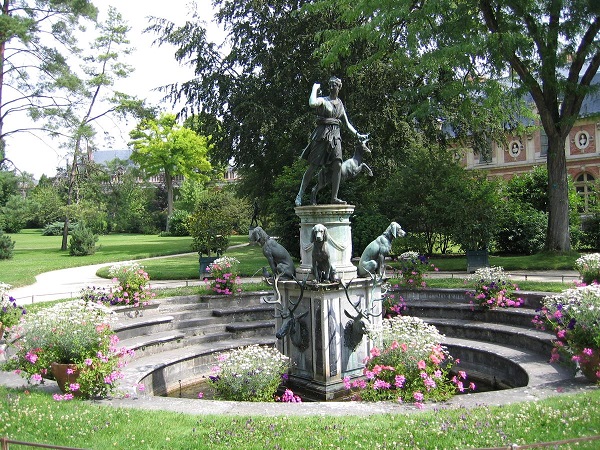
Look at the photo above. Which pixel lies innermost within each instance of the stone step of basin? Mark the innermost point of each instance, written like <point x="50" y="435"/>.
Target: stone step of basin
<point x="172" y="340"/>
<point x="508" y="365"/>
<point x="509" y="316"/>
<point x="245" y="313"/>
<point x="143" y="326"/>
<point x="252" y="328"/>
<point x="152" y="343"/>
<point x="537" y="341"/>
<point x="163" y="371"/>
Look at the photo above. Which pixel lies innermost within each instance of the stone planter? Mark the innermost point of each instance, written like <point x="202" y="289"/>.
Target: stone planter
<point x="205" y="261"/>
<point x="63" y="377"/>
<point x="590" y="366"/>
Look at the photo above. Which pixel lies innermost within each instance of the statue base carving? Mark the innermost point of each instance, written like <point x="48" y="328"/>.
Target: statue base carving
<point x="327" y="341"/>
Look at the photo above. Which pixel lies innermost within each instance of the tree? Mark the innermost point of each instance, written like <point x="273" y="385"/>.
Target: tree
<point x="255" y="95"/>
<point x="162" y="146"/>
<point x="32" y="73"/>
<point x="550" y="45"/>
<point x="94" y="98"/>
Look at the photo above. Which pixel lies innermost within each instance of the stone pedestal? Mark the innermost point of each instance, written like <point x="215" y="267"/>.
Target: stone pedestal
<point x="323" y="344"/>
<point x="336" y="219"/>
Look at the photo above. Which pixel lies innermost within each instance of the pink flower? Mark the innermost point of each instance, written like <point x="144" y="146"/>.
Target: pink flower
<point x="375" y="352"/>
<point x="346" y="381"/>
<point x="31" y="357"/>
<point x="381" y="384"/>
<point x="36" y="377"/>
<point x="422" y="365"/>
<point x="88" y="361"/>
<point x="418" y="396"/>
<point x="200" y="394"/>
<point x="588" y="351"/>
<point x="74" y="386"/>
<point x="399" y="381"/>
<point x="70" y="371"/>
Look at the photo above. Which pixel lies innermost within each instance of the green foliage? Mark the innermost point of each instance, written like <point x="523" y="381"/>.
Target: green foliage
<point x="56" y="228"/>
<point x="286" y="224"/>
<point x="47" y="205"/>
<point x="475" y="222"/>
<point x="162" y="146"/>
<point x="428" y="192"/>
<point x="16" y="212"/>
<point x="6" y="247"/>
<point x="212" y="222"/>
<point x="366" y="227"/>
<point x="521" y="229"/>
<point x="530" y="188"/>
<point x="177" y="223"/>
<point x="9" y="186"/>
<point x="83" y="241"/>
<point x="590" y="226"/>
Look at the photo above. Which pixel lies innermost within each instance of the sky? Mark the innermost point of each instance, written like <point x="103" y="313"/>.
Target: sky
<point x="154" y="66"/>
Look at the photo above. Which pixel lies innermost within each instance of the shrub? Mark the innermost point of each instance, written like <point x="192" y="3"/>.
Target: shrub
<point x="6" y="246"/>
<point x="177" y="223"/>
<point x="56" y="228"/>
<point x="83" y="241"/>
<point x="249" y="373"/>
<point x="521" y="229"/>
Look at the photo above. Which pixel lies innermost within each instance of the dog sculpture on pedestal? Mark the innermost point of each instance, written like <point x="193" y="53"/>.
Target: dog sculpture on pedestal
<point x="278" y="257"/>
<point x="322" y="269"/>
<point x="372" y="260"/>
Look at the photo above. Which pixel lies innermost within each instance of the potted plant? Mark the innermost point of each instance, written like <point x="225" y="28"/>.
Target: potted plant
<point x="476" y="219"/>
<point x="210" y="226"/>
<point x="72" y="342"/>
<point x="573" y="315"/>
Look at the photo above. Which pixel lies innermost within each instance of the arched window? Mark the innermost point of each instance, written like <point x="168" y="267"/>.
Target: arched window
<point x="586" y="188"/>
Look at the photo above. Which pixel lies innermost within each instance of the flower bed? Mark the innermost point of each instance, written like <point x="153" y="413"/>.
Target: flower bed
<point x="574" y="315"/>
<point x="588" y="267"/>
<point x="224" y="277"/>
<point x="251" y="373"/>
<point x="492" y="289"/>
<point x="409" y="366"/>
<point x="413" y="268"/>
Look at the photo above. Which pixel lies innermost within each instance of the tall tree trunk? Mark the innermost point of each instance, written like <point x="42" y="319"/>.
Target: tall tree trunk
<point x="72" y="180"/>
<point x="169" y="184"/>
<point x="558" y="236"/>
<point x="5" y="6"/>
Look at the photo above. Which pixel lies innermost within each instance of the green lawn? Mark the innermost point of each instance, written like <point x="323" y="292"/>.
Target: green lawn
<point x="33" y="416"/>
<point x="35" y="254"/>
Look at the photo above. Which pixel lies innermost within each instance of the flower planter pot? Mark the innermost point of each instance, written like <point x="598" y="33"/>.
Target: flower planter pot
<point x="205" y="261"/>
<point x="476" y="259"/>
<point x="590" y="366"/>
<point x="63" y="377"/>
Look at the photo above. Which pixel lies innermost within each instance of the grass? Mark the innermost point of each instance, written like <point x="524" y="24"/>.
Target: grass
<point x="35" y="254"/>
<point x="186" y="267"/>
<point x="33" y="416"/>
